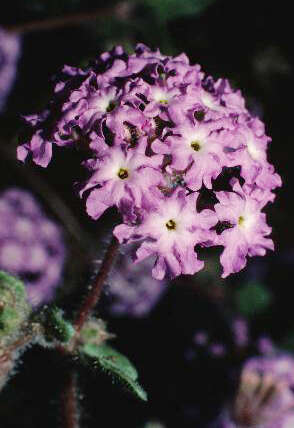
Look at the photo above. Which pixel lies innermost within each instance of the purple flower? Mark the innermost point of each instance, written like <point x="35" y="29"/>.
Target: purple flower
<point x="155" y="129"/>
<point x="249" y="149"/>
<point x="197" y="149"/>
<point x="31" y="245"/>
<point x="170" y="231"/>
<point x="39" y="147"/>
<point x="248" y="231"/>
<point x="134" y="293"/>
<point x="265" y="396"/>
<point x="121" y="175"/>
<point x="9" y="53"/>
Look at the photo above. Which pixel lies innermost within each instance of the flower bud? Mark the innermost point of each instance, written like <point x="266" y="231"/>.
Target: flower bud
<point x="94" y="332"/>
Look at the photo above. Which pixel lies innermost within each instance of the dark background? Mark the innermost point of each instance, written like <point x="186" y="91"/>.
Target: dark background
<point x="251" y="44"/>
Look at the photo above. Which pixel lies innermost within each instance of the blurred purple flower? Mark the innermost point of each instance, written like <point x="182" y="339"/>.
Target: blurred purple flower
<point x="31" y="245"/>
<point x="9" y="54"/>
<point x="265" y="345"/>
<point x="240" y="332"/>
<point x="240" y="341"/>
<point x="265" y="397"/>
<point x="217" y="350"/>
<point x="134" y="293"/>
<point x="200" y="338"/>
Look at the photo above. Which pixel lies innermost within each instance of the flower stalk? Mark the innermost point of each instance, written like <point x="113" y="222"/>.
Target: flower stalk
<point x="70" y="416"/>
<point x="96" y="288"/>
<point x="70" y="400"/>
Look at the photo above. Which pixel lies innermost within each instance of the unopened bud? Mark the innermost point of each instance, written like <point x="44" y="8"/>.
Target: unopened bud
<point x="94" y="332"/>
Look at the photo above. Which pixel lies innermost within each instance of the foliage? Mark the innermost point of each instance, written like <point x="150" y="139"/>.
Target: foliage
<point x="55" y="326"/>
<point x="117" y="365"/>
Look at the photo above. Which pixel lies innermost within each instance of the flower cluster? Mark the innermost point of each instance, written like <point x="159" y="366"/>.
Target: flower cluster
<point x="265" y="396"/>
<point x="31" y="245"/>
<point x="176" y="152"/>
<point x="9" y="53"/>
<point x="133" y="293"/>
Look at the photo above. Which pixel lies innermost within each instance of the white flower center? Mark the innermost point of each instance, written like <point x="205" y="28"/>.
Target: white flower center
<point x="105" y="103"/>
<point x="252" y="150"/>
<point x="160" y="96"/>
<point x="209" y="101"/>
<point x="246" y="221"/>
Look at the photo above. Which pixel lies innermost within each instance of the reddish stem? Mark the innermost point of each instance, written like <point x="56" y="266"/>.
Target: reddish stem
<point x="70" y="416"/>
<point x="62" y="21"/>
<point x="96" y="288"/>
<point x="70" y="406"/>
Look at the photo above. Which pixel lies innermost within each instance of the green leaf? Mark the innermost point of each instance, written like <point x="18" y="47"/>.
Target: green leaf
<point x="117" y="365"/>
<point x="56" y="327"/>
<point x="166" y="10"/>
<point x="112" y="358"/>
<point x="253" y="298"/>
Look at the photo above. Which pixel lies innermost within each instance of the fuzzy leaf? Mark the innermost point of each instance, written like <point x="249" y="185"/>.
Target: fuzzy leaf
<point x="112" y="358"/>
<point x="56" y="327"/>
<point x="117" y="365"/>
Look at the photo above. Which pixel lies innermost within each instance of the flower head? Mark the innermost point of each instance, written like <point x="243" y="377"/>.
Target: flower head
<point x="31" y="245"/>
<point x="156" y="129"/>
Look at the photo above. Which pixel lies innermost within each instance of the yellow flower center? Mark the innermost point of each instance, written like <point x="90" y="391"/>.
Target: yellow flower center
<point x="241" y="220"/>
<point x="171" y="225"/>
<point x="123" y="173"/>
<point x="196" y="146"/>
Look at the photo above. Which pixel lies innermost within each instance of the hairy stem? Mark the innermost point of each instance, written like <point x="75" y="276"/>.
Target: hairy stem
<point x="70" y="411"/>
<point x="96" y="288"/>
<point x="70" y="401"/>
